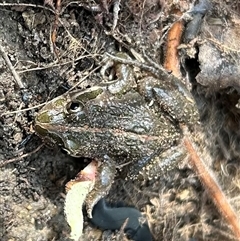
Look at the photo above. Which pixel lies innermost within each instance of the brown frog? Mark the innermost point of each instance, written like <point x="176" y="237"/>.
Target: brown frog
<point x="125" y="122"/>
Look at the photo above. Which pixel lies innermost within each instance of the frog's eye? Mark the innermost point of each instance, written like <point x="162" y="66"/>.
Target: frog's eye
<point x="74" y="107"/>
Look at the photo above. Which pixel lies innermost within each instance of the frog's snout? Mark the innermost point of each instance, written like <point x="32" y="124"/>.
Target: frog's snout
<point x="43" y="117"/>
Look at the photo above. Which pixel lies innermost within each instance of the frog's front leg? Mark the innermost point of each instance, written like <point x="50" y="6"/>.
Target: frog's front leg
<point x="172" y="97"/>
<point x="163" y="162"/>
<point x="154" y="165"/>
<point x="124" y="81"/>
<point x="103" y="182"/>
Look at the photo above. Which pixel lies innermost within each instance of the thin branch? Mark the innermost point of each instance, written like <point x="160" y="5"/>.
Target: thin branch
<point x="211" y="185"/>
<point x="40" y="105"/>
<point x="116" y="9"/>
<point x="172" y="62"/>
<point x="85" y="77"/>
<point x="158" y="72"/>
<point x="53" y="65"/>
<point x="23" y="110"/>
<point x="55" y="26"/>
<point x="12" y="69"/>
<point x="21" y="157"/>
<point x="26" y="5"/>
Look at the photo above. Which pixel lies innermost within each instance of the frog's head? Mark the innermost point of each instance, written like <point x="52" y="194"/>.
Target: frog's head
<point x="60" y="119"/>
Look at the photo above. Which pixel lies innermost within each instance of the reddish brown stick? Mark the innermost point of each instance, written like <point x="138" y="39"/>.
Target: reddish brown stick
<point x="172" y="62"/>
<point x="55" y="26"/>
<point x="213" y="189"/>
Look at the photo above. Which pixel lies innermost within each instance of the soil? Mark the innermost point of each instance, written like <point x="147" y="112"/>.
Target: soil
<point x="33" y="186"/>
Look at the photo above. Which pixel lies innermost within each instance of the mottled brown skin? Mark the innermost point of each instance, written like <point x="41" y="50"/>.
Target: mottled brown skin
<point x="127" y="121"/>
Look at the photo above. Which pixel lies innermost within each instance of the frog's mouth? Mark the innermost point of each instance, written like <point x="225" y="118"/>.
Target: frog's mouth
<point x="40" y="130"/>
<point x="48" y="137"/>
<point x="62" y="138"/>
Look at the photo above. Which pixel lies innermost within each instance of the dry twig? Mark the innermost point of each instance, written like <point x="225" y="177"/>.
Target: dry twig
<point x="172" y="62"/>
<point x="10" y="66"/>
<point x="55" y="26"/>
<point x="211" y="185"/>
<point x="21" y="157"/>
<point x="116" y="9"/>
<point x="26" y="5"/>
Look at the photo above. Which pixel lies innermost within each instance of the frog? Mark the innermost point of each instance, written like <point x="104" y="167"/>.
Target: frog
<point x="129" y="123"/>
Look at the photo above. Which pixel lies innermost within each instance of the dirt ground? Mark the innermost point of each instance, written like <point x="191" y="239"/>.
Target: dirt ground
<point x="32" y="189"/>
